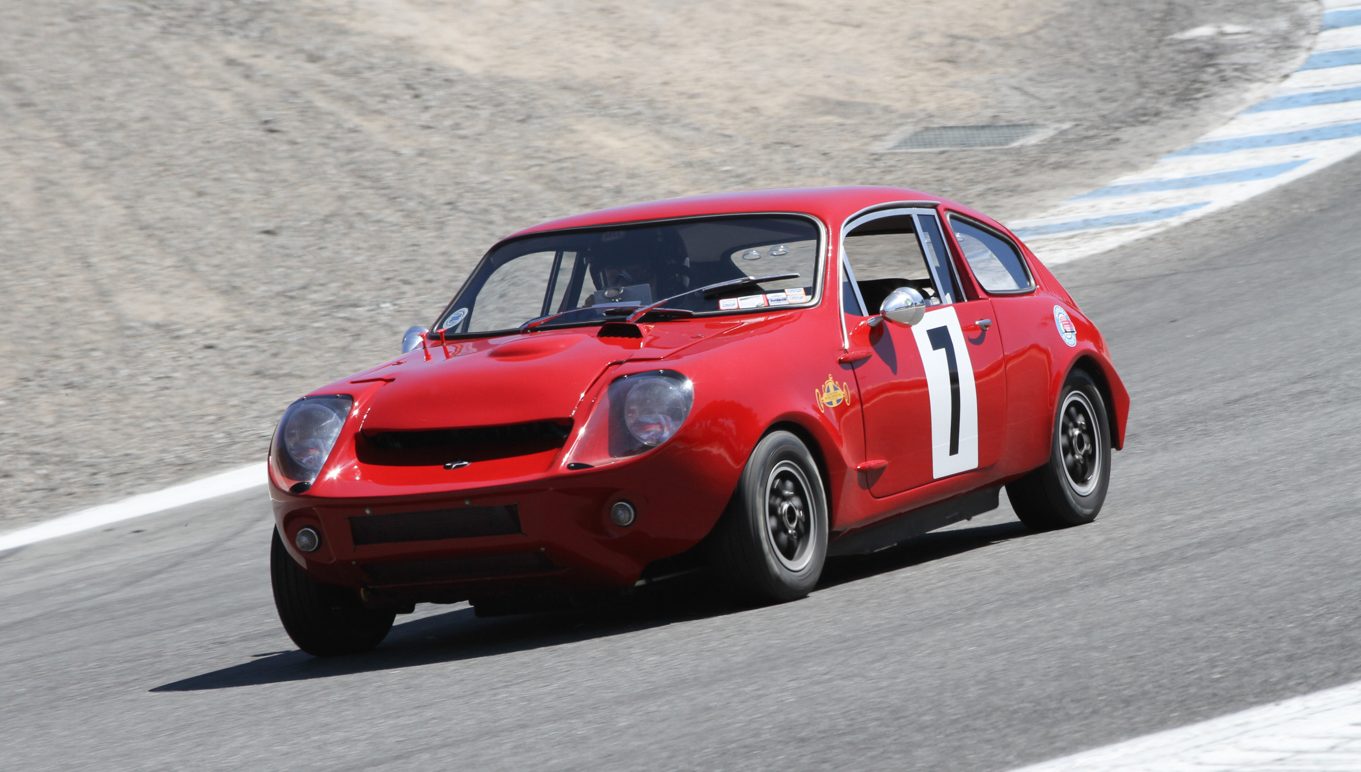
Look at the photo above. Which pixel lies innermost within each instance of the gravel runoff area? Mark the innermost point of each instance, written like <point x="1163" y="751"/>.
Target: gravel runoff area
<point x="208" y="208"/>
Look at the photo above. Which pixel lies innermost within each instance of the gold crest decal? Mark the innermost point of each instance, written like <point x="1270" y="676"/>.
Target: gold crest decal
<point x="832" y="393"/>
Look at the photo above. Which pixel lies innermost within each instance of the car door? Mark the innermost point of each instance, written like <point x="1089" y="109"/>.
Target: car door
<point x="1032" y="323"/>
<point x="933" y="393"/>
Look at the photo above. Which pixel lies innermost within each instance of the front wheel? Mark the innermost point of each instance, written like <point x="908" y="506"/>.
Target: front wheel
<point x="322" y="619"/>
<point x="772" y="541"/>
<point x="1070" y="489"/>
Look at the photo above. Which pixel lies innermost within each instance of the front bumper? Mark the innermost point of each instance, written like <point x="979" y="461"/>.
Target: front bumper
<point x="552" y="531"/>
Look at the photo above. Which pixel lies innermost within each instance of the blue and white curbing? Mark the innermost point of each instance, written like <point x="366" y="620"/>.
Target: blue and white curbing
<point x="1311" y="121"/>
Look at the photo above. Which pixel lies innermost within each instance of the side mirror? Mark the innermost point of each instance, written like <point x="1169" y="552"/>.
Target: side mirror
<point x="412" y="339"/>
<point x="904" y="306"/>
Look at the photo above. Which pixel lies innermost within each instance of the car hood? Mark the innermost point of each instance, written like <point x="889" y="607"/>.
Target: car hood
<point x="514" y="379"/>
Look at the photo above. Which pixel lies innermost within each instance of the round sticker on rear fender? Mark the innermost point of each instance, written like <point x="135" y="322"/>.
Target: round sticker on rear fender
<point x="1065" y="326"/>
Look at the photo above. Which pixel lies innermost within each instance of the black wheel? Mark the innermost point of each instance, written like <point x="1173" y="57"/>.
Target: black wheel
<point x="322" y="619"/>
<point x="772" y="541"/>
<point x="1070" y="489"/>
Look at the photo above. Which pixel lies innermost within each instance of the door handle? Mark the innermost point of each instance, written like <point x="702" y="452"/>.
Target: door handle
<point x="983" y="324"/>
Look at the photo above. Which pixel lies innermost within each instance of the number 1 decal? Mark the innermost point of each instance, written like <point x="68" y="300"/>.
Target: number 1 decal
<point x="940" y="341"/>
<point x="950" y="386"/>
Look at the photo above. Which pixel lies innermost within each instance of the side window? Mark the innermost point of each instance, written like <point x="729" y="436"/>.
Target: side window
<point x="885" y="253"/>
<point x="995" y="262"/>
<point x="512" y="293"/>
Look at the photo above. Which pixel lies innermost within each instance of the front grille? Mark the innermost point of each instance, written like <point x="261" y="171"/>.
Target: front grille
<point x="452" y="569"/>
<point x="432" y="447"/>
<point x="459" y="523"/>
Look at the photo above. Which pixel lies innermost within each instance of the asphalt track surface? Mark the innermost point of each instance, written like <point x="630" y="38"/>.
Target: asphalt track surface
<point x="1222" y="574"/>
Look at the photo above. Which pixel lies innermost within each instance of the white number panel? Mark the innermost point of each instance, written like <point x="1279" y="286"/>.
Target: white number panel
<point x="954" y="399"/>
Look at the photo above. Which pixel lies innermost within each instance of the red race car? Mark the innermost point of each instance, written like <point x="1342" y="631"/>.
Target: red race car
<point x="752" y="382"/>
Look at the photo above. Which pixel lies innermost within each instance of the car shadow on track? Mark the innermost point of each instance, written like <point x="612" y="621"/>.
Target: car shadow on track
<point x="920" y="549"/>
<point x="460" y="635"/>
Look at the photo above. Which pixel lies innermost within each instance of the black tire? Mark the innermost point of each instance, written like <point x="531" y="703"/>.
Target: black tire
<point x="1070" y="488"/>
<point x="323" y="620"/>
<point x="771" y="544"/>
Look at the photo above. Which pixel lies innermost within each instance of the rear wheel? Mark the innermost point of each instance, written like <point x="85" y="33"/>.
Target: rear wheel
<point x="1070" y="489"/>
<point x="322" y="619"/>
<point x="771" y="543"/>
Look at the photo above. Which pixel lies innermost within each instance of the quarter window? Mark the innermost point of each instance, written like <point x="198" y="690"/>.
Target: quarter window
<point x="995" y="262"/>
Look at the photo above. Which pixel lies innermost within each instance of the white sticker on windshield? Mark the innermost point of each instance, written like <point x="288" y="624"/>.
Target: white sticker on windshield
<point x="796" y="295"/>
<point x="777" y="299"/>
<point x="455" y="318"/>
<point x="727" y="304"/>
<point x="751" y="301"/>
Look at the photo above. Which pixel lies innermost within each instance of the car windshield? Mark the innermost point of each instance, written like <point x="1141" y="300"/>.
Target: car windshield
<point x="589" y="276"/>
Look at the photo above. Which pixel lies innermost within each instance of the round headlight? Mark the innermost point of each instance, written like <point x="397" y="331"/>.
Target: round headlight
<point x="307" y="432"/>
<point x="656" y="406"/>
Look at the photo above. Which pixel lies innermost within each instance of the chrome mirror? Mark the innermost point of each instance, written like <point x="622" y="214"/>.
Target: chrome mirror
<point x="412" y="339"/>
<point x="904" y="306"/>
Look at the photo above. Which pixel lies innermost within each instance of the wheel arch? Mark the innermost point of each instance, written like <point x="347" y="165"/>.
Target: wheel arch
<point x="833" y="469"/>
<point x="1093" y="368"/>
<point x="811" y="442"/>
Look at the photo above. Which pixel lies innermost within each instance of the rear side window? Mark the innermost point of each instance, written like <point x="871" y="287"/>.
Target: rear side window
<point x="995" y="262"/>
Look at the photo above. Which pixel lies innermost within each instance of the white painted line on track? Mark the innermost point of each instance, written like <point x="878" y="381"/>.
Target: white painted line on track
<point x="1310" y="121"/>
<point x="1319" y="731"/>
<point x="221" y="484"/>
<point x="1281" y="142"/>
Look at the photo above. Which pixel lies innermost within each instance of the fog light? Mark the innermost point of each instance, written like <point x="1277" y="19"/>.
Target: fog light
<point x="307" y="539"/>
<point x="622" y="514"/>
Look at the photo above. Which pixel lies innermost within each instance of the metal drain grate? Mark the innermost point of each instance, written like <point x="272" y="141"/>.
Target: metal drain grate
<point x="973" y="137"/>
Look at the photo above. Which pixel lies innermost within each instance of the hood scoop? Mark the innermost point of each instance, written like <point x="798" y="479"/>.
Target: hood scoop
<point x="532" y="348"/>
<point x="620" y="330"/>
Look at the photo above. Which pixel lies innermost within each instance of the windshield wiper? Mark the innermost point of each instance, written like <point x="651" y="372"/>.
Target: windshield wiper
<point x="710" y="291"/>
<point x="634" y="313"/>
<point x="534" y="324"/>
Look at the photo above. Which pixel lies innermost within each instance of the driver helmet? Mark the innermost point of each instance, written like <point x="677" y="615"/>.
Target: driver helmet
<point x="633" y="256"/>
